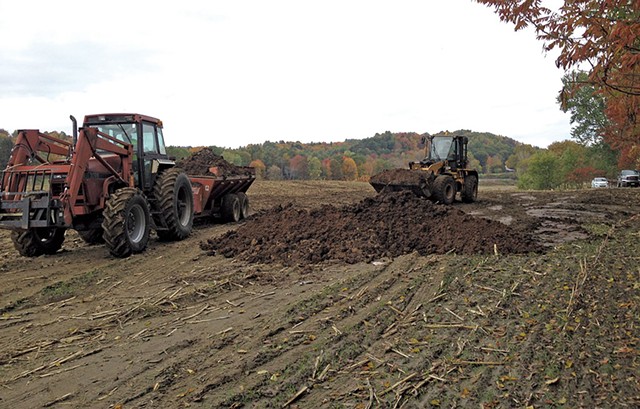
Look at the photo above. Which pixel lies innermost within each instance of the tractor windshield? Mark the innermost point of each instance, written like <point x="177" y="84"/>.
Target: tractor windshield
<point x="122" y="132"/>
<point x="440" y="148"/>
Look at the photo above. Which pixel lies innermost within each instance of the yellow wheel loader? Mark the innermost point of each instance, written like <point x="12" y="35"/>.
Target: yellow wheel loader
<point x="442" y="173"/>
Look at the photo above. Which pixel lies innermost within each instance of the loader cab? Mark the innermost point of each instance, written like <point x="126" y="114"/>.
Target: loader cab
<point x="449" y="149"/>
<point x="144" y="133"/>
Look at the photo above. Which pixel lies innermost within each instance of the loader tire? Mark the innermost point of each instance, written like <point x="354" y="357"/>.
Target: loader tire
<point x="444" y="189"/>
<point x="38" y="241"/>
<point x="470" y="189"/>
<point x="92" y="236"/>
<point x="244" y="204"/>
<point x="126" y="222"/>
<point x="174" y="204"/>
<point x="230" y="208"/>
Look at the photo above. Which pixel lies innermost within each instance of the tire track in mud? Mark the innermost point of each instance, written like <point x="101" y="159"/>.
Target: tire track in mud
<point x="340" y="327"/>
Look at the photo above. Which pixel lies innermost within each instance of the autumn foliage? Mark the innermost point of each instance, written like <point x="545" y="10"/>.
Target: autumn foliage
<point x="602" y="36"/>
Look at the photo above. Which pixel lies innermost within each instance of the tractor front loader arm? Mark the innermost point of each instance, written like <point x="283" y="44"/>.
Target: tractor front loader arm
<point x="92" y="143"/>
<point x="31" y="143"/>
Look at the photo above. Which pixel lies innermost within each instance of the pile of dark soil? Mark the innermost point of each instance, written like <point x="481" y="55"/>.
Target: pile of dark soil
<point x="201" y="161"/>
<point x="387" y="225"/>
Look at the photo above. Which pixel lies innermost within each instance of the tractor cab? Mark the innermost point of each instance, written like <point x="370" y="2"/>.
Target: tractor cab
<point x="144" y="133"/>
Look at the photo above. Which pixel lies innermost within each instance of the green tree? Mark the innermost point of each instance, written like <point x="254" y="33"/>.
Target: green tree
<point x="543" y="172"/>
<point x="336" y="168"/>
<point x="232" y="157"/>
<point x="314" y="168"/>
<point x="587" y="108"/>
<point x="572" y="156"/>
<point x="602" y="157"/>
<point x="474" y="163"/>
<point x="178" y="152"/>
<point x="519" y="159"/>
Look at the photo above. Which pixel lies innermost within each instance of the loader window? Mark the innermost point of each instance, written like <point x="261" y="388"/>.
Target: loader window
<point x="441" y="148"/>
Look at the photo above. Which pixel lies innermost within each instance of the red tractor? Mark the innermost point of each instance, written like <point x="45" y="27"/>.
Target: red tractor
<point x="113" y="183"/>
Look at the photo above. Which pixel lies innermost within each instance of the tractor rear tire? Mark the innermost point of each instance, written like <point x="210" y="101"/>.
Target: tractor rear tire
<point x="126" y="222"/>
<point x="230" y="208"/>
<point x="244" y="204"/>
<point x="470" y="189"/>
<point x="444" y="189"/>
<point x="92" y="236"/>
<point x="38" y="241"/>
<point x="174" y="202"/>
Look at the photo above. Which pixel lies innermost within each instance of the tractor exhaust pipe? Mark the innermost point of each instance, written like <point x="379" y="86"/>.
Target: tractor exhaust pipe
<point x="75" y="129"/>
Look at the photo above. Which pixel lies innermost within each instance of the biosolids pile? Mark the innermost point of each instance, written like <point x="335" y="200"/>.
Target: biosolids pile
<point x="387" y="225"/>
<point x="200" y="162"/>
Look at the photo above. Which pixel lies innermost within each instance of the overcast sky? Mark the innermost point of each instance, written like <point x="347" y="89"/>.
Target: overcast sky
<point x="230" y="73"/>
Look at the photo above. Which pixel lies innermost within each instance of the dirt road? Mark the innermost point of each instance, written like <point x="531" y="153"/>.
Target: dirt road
<point x="175" y="327"/>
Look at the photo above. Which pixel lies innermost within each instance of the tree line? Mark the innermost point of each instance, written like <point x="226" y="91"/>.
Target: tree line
<point x="354" y="159"/>
<point x="568" y="164"/>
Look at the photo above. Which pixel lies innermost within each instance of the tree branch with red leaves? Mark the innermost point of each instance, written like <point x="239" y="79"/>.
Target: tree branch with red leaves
<point x="601" y="34"/>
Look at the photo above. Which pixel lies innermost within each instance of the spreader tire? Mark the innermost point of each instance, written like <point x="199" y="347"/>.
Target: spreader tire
<point x="230" y="208"/>
<point x="244" y="204"/>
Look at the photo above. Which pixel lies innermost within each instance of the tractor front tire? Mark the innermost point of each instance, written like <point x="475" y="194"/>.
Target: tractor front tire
<point x="230" y="208"/>
<point x="38" y="241"/>
<point x="174" y="202"/>
<point x="444" y="189"/>
<point x="126" y="222"/>
<point x="470" y="189"/>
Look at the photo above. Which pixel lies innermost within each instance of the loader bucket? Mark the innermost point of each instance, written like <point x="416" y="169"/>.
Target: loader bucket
<point x="418" y="181"/>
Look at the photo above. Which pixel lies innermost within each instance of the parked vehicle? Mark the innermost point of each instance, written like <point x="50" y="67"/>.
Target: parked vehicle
<point x="599" y="182"/>
<point x="628" y="178"/>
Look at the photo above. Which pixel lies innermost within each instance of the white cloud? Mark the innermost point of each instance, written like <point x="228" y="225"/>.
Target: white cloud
<point x="232" y="73"/>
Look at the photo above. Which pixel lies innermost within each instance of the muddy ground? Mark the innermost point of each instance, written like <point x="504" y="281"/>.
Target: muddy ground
<point x="176" y="327"/>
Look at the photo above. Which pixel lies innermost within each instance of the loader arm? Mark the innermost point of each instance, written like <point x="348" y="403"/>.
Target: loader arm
<point x="31" y="142"/>
<point x="90" y="144"/>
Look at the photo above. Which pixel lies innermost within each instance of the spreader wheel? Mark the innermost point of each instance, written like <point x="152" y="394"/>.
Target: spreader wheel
<point x="230" y="208"/>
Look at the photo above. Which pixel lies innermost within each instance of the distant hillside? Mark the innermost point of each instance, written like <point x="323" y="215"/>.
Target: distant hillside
<point x="355" y="158"/>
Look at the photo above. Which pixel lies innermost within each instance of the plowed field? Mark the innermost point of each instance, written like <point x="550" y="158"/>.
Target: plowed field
<point x="202" y="323"/>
